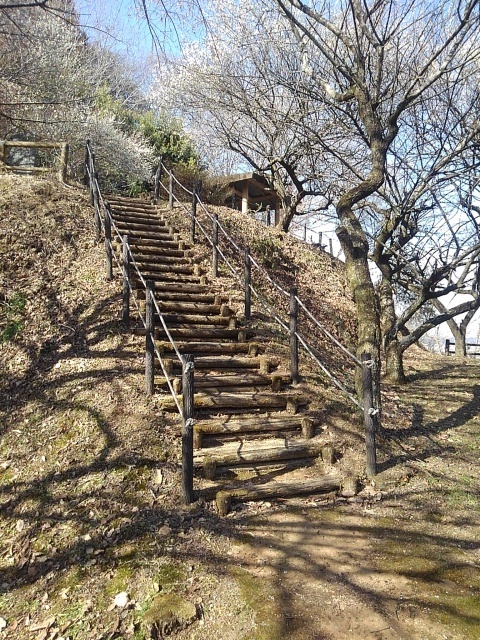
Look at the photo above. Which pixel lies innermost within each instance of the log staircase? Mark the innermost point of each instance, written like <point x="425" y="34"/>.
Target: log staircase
<point x="249" y="419"/>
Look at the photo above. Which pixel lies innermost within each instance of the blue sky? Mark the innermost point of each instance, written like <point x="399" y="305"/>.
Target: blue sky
<point x="120" y="26"/>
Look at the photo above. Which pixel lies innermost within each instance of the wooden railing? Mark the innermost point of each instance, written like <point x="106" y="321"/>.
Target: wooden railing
<point x="210" y="227"/>
<point x="10" y="144"/>
<point x="450" y="348"/>
<point x="105" y="223"/>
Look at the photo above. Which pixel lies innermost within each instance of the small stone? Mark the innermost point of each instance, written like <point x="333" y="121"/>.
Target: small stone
<point x="20" y="525"/>
<point x="3" y="623"/>
<point x="121" y="600"/>
<point x="164" y="531"/>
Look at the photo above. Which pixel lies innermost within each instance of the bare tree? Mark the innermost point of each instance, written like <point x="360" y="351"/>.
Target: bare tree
<point x="240" y="93"/>
<point x="375" y="62"/>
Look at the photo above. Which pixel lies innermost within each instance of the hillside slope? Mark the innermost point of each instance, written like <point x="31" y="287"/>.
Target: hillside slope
<point x="92" y="527"/>
<point x="89" y="475"/>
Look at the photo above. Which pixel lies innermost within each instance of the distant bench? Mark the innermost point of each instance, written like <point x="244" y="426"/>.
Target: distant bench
<point x="450" y="348"/>
<point x="26" y="163"/>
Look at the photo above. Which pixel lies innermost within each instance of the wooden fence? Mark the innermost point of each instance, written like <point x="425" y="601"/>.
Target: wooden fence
<point x="5" y="145"/>
<point x="450" y="348"/>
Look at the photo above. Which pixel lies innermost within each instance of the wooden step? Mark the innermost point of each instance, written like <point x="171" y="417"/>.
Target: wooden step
<point x="145" y="230"/>
<point x="167" y="278"/>
<point x="164" y="268"/>
<point x="231" y="383"/>
<point x="210" y="363"/>
<point x="177" y="297"/>
<point x="203" y="380"/>
<point x="260" y="451"/>
<point x="140" y="202"/>
<point x="220" y="402"/>
<point x="198" y="332"/>
<point x="252" y="424"/>
<point x="193" y="307"/>
<point x="162" y="237"/>
<point x="184" y="320"/>
<point x="207" y="348"/>
<point x="150" y="261"/>
<point x="137" y="242"/>
<point x="271" y="490"/>
<point x="139" y="217"/>
<point x="155" y="253"/>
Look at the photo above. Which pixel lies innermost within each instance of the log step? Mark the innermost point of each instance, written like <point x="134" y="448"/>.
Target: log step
<point x="271" y="490"/>
<point x="138" y="218"/>
<point x="210" y="363"/>
<point x="192" y="307"/>
<point x="162" y="237"/>
<point x="159" y="243"/>
<point x="220" y="402"/>
<point x="161" y="268"/>
<point x="249" y="379"/>
<point x="183" y="320"/>
<point x="252" y="424"/>
<point x="198" y="332"/>
<point x="150" y="227"/>
<point x="168" y="278"/>
<point x="207" y="348"/>
<point x="153" y="253"/>
<point x="233" y="383"/>
<point x="177" y="297"/>
<point x="270" y="450"/>
<point x="149" y="261"/>
<point x="134" y="202"/>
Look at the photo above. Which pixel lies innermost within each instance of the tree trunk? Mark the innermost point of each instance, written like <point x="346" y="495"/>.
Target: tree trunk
<point x="355" y="248"/>
<point x="287" y="214"/>
<point x="394" y="371"/>
<point x="460" y="337"/>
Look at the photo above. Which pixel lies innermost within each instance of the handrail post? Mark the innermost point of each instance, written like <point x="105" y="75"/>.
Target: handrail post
<point x="158" y="177"/>
<point x="108" y="241"/>
<point x="196" y="196"/>
<point x="194" y="215"/>
<point x="294" y="336"/>
<point x="268" y="215"/>
<point x="330" y="243"/>
<point x="370" y="414"/>
<point x="62" y="173"/>
<point x="86" y="180"/>
<point x="447" y="347"/>
<point x="149" y="333"/>
<point x="248" y="283"/>
<point x="215" y="247"/>
<point x="96" y="205"/>
<point x="126" y="280"/>
<point x="92" y="181"/>
<point x="188" y="369"/>
<point x="170" y="192"/>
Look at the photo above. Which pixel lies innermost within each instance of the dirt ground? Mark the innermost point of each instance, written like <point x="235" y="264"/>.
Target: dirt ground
<point x="92" y="527"/>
